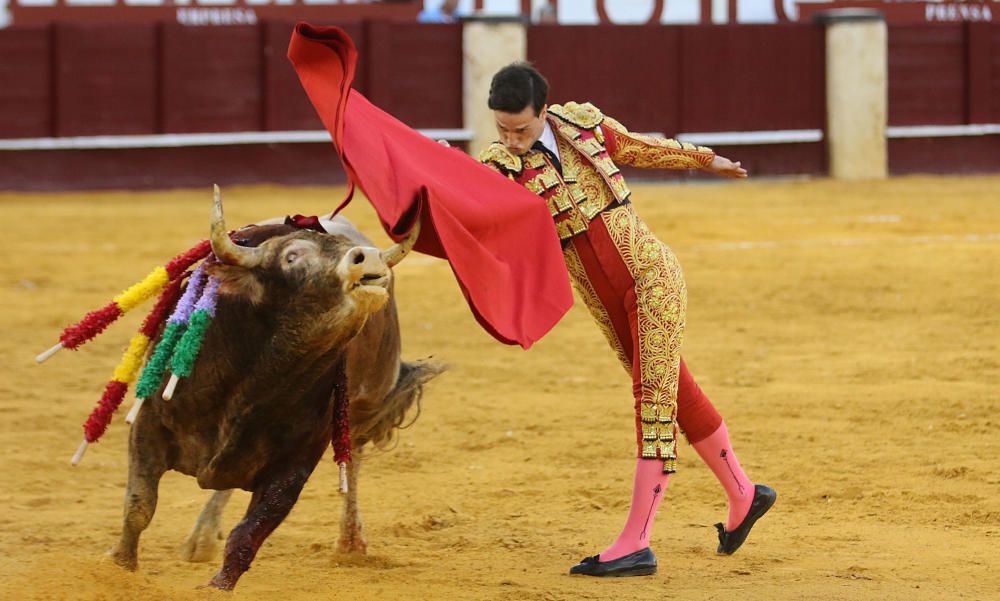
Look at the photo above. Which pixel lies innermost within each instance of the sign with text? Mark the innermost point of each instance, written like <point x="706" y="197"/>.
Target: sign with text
<point x="199" y="12"/>
<point x="704" y="12"/>
<point x="564" y="12"/>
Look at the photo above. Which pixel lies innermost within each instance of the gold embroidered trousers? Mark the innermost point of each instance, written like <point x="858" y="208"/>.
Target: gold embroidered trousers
<point x="633" y="285"/>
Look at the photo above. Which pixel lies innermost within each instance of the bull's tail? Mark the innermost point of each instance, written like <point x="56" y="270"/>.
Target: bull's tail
<point x="378" y="426"/>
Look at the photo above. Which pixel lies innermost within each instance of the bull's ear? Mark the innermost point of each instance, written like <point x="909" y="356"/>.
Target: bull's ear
<point x="238" y="281"/>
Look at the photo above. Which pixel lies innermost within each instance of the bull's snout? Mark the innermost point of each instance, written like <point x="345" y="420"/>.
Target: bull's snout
<point x="363" y="266"/>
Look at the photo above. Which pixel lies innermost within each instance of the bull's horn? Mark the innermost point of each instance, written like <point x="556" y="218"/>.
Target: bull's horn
<point x="395" y="253"/>
<point x="224" y="248"/>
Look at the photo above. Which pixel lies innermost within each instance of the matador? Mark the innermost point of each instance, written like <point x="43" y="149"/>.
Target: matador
<point x="633" y="286"/>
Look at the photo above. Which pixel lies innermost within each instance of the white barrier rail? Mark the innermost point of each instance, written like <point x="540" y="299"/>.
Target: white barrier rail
<point x="725" y="138"/>
<point x="207" y="139"/>
<point x="743" y="138"/>
<point x="943" y="131"/>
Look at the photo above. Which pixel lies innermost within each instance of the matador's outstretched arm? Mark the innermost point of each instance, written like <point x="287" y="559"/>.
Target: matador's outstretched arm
<point x="644" y="151"/>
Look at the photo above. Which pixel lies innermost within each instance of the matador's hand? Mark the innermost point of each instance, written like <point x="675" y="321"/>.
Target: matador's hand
<point x="720" y="165"/>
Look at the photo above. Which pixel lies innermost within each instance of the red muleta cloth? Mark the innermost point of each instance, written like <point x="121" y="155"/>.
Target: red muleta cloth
<point x="498" y="237"/>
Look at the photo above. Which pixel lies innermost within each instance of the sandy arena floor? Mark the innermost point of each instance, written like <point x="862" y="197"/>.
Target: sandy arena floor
<point x="849" y="333"/>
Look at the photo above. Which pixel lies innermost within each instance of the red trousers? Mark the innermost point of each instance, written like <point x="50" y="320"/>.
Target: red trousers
<point x="634" y="288"/>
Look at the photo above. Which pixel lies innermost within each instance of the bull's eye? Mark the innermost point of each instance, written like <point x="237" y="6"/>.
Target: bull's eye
<point x="291" y="257"/>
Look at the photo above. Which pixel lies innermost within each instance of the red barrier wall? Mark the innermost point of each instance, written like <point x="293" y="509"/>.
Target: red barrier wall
<point x="960" y="154"/>
<point x="689" y="79"/>
<point x="414" y="72"/>
<point x="754" y="77"/>
<point x="927" y="77"/>
<point x="191" y="167"/>
<point x="105" y="79"/>
<point x="984" y="72"/>
<point x="985" y="44"/>
<point x="25" y="82"/>
<point x="211" y="78"/>
<point x="168" y="78"/>
<point x="696" y="79"/>
<point x="632" y="73"/>
<point x="72" y="80"/>
<point x="944" y="74"/>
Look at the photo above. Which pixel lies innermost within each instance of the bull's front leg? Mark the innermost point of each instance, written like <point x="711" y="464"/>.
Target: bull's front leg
<point x="207" y="532"/>
<point x="268" y="507"/>
<point x="146" y="465"/>
<point x="352" y="538"/>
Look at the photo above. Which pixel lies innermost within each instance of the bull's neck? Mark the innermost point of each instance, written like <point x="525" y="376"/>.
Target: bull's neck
<point x="266" y="353"/>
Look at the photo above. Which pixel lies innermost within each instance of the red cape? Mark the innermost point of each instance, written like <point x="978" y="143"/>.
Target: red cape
<point x="498" y="237"/>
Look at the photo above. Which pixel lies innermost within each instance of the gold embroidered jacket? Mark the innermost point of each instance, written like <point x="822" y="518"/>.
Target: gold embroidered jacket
<point x="590" y="144"/>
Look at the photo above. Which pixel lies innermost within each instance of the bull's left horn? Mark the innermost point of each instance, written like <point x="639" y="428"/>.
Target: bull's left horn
<point x="395" y="253"/>
<point x="223" y="246"/>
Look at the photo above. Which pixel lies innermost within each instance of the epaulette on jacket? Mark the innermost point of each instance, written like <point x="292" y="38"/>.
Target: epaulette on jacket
<point x="498" y="154"/>
<point x="583" y="115"/>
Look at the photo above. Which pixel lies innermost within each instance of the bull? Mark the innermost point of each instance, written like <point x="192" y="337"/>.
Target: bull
<point x="298" y="313"/>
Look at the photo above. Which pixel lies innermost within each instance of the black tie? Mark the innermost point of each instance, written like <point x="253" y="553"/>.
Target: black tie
<point x="545" y="150"/>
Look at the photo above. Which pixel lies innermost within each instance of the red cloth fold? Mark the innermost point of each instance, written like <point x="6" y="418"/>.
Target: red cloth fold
<point x="498" y="237"/>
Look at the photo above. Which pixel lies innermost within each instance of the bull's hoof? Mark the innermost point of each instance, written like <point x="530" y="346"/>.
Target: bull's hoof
<point x="201" y="546"/>
<point x="353" y="543"/>
<point x="127" y="561"/>
<point x="220" y="583"/>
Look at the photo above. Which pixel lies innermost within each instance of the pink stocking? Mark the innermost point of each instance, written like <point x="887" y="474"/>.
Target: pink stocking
<point x="647" y="492"/>
<point x="717" y="452"/>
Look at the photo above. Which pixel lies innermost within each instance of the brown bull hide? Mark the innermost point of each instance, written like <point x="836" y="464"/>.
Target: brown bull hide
<point x="256" y="412"/>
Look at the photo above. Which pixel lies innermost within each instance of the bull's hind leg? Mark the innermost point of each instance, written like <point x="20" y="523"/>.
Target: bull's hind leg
<point x="204" y="538"/>
<point x="352" y="538"/>
<point x="268" y="507"/>
<point x="146" y="465"/>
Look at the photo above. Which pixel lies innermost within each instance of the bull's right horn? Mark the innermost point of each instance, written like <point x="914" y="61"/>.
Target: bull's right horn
<point x="395" y="253"/>
<point x="223" y="246"/>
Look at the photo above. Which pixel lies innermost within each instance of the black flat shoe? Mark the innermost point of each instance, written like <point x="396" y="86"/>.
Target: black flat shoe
<point x="640" y="563"/>
<point x="729" y="542"/>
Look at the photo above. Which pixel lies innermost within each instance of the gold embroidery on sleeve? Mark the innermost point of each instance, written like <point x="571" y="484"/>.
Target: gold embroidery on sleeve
<point x="649" y="152"/>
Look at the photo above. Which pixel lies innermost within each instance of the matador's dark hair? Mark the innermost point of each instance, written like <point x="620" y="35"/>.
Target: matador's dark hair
<point x="516" y="86"/>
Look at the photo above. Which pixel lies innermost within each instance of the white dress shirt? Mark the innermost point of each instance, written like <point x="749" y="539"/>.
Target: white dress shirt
<point x="548" y="140"/>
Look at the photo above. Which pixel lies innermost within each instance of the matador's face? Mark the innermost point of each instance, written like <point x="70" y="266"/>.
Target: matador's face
<point x="518" y="131"/>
